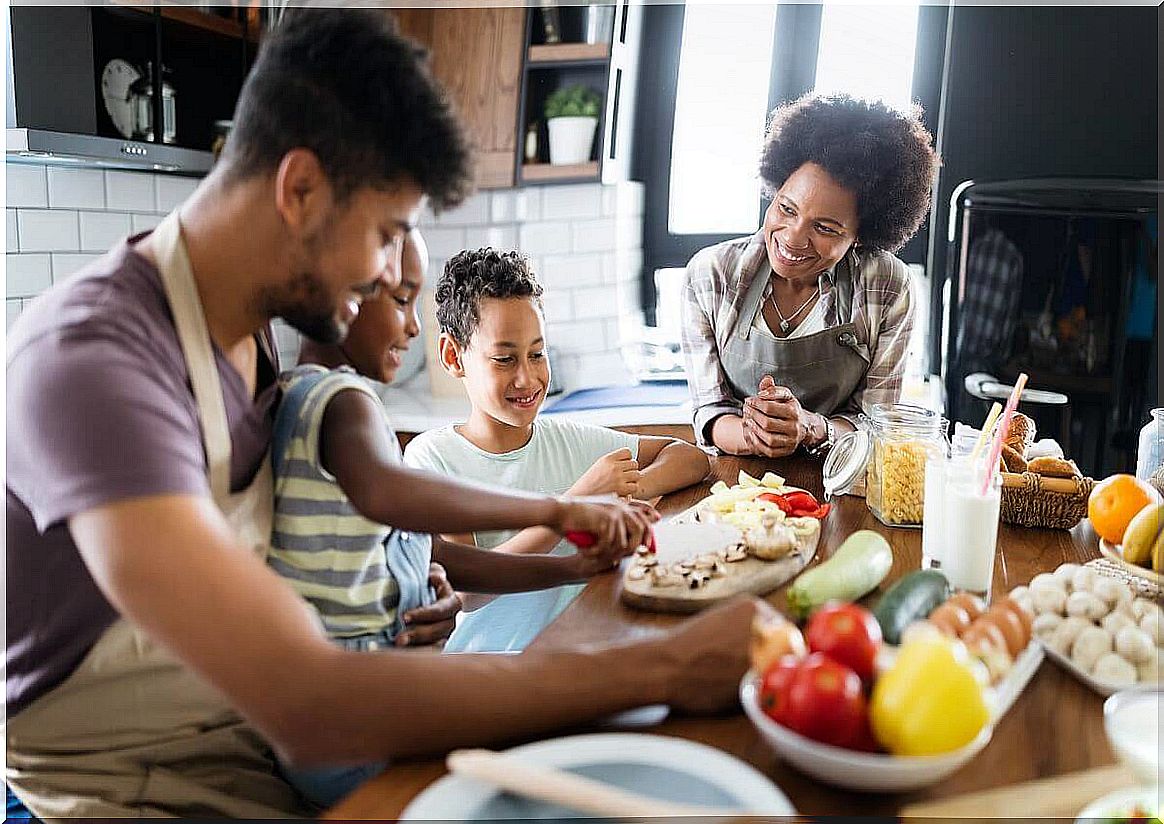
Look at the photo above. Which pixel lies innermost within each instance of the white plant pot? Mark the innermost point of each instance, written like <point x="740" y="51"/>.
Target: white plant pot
<point x="571" y="139"/>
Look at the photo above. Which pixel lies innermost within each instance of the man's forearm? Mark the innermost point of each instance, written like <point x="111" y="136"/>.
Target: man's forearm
<point x="510" y="696"/>
<point x="481" y="570"/>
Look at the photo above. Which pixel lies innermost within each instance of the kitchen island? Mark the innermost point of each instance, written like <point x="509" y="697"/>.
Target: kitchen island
<point x="1055" y="726"/>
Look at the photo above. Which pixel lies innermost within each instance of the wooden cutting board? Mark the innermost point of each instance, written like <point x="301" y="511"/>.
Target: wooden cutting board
<point x="1063" y="796"/>
<point x="680" y="541"/>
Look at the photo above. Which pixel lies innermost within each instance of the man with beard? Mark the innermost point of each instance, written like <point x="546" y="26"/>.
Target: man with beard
<point x="153" y="660"/>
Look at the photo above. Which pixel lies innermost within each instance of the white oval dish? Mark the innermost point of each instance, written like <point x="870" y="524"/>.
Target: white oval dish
<point x="870" y="772"/>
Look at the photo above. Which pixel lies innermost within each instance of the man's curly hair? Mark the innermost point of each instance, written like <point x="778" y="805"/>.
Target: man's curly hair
<point x="347" y="85"/>
<point x="883" y="155"/>
<point x="472" y="275"/>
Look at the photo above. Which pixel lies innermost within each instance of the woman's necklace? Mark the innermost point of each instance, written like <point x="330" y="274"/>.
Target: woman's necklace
<point x="786" y="322"/>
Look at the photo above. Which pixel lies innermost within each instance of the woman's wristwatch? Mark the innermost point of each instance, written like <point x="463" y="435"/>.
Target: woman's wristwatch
<point x="824" y="445"/>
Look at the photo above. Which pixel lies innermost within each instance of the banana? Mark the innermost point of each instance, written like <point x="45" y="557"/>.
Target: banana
<point x="1143" y="535"/>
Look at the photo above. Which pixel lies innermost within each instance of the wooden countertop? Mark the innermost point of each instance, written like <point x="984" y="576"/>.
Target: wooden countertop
<point x="1055" y="726"/>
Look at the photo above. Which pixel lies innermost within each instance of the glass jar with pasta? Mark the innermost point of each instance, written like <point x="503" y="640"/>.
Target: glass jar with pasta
<point x="904" y="437"/>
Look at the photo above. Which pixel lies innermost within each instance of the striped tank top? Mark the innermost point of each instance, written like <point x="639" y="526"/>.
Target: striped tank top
<point x="359" y="575"/>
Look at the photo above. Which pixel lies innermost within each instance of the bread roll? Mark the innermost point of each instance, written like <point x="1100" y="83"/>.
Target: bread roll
<point x="1012" y="460"/>
<point x="1054" y="468"/>
<point x="1021" y="433"/>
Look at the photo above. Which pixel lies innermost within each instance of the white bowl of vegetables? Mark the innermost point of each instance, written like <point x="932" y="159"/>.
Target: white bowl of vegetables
<point x="853" y="769"/>
<point x="841" y="704"/>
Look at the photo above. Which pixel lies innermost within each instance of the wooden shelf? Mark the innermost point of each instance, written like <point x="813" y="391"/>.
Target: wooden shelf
<point x="569" y="53"/>
<point x="191" y="17"/>
<point x="547" y="171"/>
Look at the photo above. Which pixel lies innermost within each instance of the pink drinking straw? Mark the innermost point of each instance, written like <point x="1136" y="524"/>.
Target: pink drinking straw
<point x="996" y="448"/>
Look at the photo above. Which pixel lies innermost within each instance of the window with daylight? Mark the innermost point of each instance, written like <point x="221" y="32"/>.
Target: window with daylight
<point x="867" y="51"/>
<point x="720" y="118"/>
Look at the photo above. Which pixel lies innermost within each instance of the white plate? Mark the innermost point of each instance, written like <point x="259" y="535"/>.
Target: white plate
<point x="1114" y="804"/>
<point x="1102" y="687"/>
<point x="668" y="768"/>
<point x="1014" y="682"/>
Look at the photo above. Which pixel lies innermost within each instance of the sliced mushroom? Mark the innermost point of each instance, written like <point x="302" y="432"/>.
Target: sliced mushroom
<point x="697" y="579"/>
<point x="636" y="574"/>
<point x="647" y="561"/>
<point x="736" y="555"/>
<point x="666" y="579"/>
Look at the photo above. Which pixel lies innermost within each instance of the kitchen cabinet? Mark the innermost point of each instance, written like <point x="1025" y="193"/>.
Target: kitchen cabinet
<point x="499" y="71"/>
<point x="477" y="55"/>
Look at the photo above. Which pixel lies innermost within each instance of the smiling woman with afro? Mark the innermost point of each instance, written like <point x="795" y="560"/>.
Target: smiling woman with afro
<point x="791" y="333"/>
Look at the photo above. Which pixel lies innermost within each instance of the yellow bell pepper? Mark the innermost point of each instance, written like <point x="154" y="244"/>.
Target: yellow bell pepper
<point x="930" y="701"/>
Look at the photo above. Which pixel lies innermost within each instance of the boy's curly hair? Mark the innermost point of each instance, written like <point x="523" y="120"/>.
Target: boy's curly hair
<point x="885" y="156"/>
<point x="472" y="275"/>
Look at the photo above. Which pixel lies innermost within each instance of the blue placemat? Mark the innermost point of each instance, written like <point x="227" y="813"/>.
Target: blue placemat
<point x="651" y="393"/>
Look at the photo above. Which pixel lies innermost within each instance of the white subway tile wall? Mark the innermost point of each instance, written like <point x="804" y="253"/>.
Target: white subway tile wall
<point x="584" y="241"/>
<point x="129" y="191"/>
<point x="75" y="188"/>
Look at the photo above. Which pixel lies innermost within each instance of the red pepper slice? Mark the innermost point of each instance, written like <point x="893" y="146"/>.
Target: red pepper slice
<point x="801" y="500"/>
<point x="779" y="500"/>
<point x="817" y="513"/>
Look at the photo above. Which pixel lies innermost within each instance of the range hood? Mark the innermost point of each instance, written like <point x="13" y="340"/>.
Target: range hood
<point x="45" y="146"/>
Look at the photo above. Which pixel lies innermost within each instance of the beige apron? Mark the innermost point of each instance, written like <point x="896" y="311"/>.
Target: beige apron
<point x="822" y="369"/>
<point x="131" y="732"/>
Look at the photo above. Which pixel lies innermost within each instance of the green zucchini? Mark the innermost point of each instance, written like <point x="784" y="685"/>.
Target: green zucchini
<point x="857" y="567"/>
<point x="910" y="599"/>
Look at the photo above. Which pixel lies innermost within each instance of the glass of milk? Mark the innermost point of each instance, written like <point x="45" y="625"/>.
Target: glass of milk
<point x="934" y="538"/>
<point x="970" y="526"/>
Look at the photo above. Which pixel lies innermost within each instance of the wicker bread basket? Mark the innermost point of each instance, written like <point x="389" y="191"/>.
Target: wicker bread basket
<point x="1039" y="501"/>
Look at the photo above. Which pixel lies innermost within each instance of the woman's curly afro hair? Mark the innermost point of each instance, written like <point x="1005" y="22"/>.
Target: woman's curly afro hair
<point x="885" y="156"/>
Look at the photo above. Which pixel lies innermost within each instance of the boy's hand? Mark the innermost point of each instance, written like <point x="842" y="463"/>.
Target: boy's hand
<point x="616" y="472"/>
<point x="618" y="527"/>
<point x="434" y="623"/>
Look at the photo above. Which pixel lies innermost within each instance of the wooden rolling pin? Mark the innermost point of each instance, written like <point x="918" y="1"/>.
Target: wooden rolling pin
<point x="1014" y="480"/>
<point x="574" y="792"/>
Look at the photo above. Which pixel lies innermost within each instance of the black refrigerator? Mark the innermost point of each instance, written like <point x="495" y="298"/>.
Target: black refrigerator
<point x="1058" y="278"/>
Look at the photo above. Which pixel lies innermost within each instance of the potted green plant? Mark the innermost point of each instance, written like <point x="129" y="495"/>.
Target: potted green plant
<point x="572" y="119"/>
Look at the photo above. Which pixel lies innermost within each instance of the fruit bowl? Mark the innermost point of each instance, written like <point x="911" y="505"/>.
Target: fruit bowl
<point x="870" y="772"/>
<point x="1114" y="553"/>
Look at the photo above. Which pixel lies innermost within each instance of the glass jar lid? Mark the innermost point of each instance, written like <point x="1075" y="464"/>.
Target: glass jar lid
<point x="846" y="463"/>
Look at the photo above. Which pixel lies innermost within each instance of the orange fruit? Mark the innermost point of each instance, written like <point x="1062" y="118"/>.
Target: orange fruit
<point x="1115" y="501"/>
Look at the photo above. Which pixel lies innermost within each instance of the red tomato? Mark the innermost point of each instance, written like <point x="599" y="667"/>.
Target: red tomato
<point x="773" y="687"/>
<point x="848" y="634"/>
<point x="825" y="702"/>
<point x="866" y="741"/>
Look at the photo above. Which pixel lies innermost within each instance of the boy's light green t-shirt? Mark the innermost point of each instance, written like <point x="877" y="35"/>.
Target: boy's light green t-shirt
<point x="557" y="455"/>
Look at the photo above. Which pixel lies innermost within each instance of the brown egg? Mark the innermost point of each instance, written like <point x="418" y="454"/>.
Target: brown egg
<point x="973" y="605"/>
<point x="984" y="634"/>
<point x="951" y="619"/>
<point x="1010" y="626"/>
<point x="1023" y="616"/>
